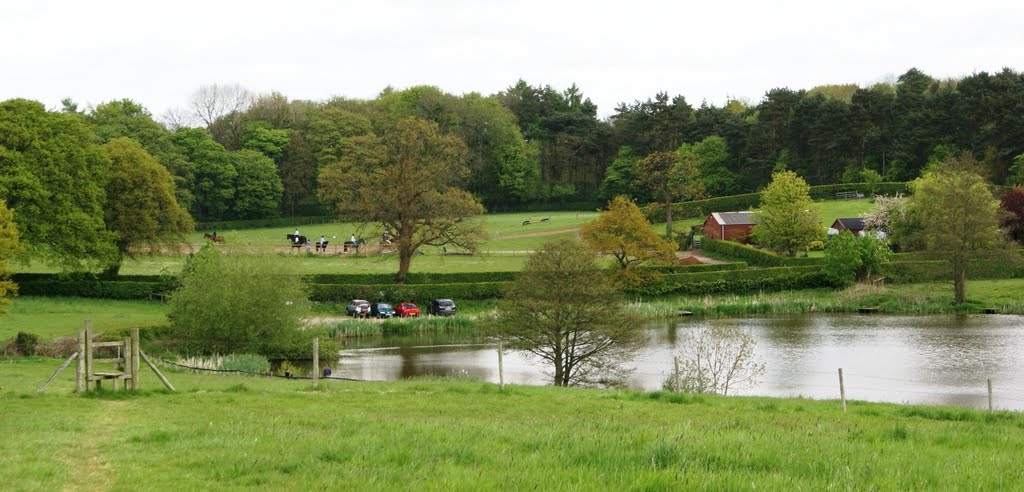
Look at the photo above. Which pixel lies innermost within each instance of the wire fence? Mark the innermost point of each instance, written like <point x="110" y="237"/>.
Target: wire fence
<point x="481" y="361"/>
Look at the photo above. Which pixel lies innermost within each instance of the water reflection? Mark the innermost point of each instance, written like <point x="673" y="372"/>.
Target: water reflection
<point x="927" y="359"/>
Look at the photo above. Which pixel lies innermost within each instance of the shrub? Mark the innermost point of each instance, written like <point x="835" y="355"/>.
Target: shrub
<point x="238" y="304"/>
<point x="738" y="281"/>
<point x="753" y="256"/>
<point x="251" y="363"/>
<point x="26" y="343"/>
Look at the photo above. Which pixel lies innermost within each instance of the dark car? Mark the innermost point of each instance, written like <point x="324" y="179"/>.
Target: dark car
<point x="358" y="308"/>
<point x="441" y="307"/>
<point x="407" y="309"/>
<point x="381" y="310"/>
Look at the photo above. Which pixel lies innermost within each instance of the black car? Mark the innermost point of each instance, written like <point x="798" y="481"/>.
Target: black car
<point x="381" y="310"/>
<point x="441" y="307"/>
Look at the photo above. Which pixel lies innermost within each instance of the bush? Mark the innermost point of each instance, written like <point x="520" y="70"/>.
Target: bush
<point x="238" y="304"/>
<point x="753" y="256"/>
<point x="737" y="281"/>
<point x="26" y="343"/>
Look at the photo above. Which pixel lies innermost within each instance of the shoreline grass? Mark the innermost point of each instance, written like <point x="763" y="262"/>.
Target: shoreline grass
<point x="234" y="432"/>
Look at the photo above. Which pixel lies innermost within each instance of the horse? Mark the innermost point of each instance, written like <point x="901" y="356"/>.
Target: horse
<point x="211" y="237"/>
<point x="321" y="246"/>
<point x="297" y="241"/>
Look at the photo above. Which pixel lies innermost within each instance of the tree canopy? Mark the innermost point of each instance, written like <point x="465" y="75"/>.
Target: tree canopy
<point x="562" y="310"/>
<point x="787" y="220"/>
<point x="623" y="231"/>
<point x="8" y="248"/>
<point x="407" y="181"/>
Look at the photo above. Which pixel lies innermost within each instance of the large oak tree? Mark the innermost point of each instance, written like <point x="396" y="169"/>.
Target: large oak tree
<point x="406" y="180"/>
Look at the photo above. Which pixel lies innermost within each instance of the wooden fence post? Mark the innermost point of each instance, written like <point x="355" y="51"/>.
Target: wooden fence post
<point x="80" y="381"/>
<point x="675" y="375"/>
<point x="316" y="362"/>
<point x="990" y="394"/>
<point x="842" y="389"/>
<point x="501" y="369"/>
<point x="136" y="384"/>
<point x="88" y="353"/>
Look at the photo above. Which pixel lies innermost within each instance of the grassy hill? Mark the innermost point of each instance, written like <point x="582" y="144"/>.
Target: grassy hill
<point x="231" y="432"/>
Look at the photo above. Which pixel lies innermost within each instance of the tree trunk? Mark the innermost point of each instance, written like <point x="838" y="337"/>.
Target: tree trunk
<point x="959" y="284"/>
<point x="668" y="219"/>
<point x="404" y="259"/>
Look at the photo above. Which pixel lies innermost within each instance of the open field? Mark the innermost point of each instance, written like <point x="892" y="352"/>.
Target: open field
<point x="51" y="317"/>
<point x="233" y="432"/>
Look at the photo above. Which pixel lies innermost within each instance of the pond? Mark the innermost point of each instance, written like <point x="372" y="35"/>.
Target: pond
<point x="939" y="360"/>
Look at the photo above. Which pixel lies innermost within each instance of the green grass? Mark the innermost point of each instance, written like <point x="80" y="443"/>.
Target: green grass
<point x="235" y="432"/>
<point x="1006" y="296"/>
<point x="51" y="317"/>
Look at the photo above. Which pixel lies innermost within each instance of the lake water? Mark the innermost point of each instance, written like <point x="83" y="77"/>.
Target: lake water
<point x="941" y="360"/>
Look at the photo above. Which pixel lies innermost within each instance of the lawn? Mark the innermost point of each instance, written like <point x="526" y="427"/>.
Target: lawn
<point x="51" y="317"/>
<point x="233" y="432"/>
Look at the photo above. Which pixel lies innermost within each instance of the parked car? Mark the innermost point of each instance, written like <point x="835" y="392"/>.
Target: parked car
<point x="441" y="307"/>
<point x="381" y="310"/>
<point x="407" y="309"/>
<point x="358" y="308"/>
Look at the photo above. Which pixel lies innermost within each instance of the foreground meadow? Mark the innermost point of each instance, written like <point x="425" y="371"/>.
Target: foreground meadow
<point x="231" y="432"/>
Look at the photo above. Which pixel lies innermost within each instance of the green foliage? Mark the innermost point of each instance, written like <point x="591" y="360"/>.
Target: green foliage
<point x="251" y="363"/>
<point x="713" y="159"/>
<point x="258" y="188"/>
<point x="670" y="177"/>
<point x="751" y="255"/>
<point x="623" y="232"/>
<point x="8" y="247"/>
<point x="26" y="343"/>
<point x="622" y="178"/>
<point x="142" y="209"/>
<point x="263" y="138"/>
<point x="53" y="178"/>
<point x="214" y="184"/>
<point x="957" y="215"/>
<point x="420" y="294"/>
<point x="787" y="220"/>
<point x="871" y="179"/>
<point x="737" y="281"/>
<point x="842" y="258"/>
<point x="562" y="311"/>
<point x="231" y="304"/>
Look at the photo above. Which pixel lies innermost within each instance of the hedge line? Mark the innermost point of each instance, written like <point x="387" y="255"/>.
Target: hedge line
<point x="733" y="203"/>
<point x="711" y="267"/>
<point x="418" y="293"/>
<point x="753" y="256"/>
<point x="905" y="272"/>
<point x="105" y="289"/>
<point x="737" y="282"/>
<point x="412" y="278"/>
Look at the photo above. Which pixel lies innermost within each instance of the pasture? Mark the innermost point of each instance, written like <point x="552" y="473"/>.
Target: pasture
<point x="234" y="432"/>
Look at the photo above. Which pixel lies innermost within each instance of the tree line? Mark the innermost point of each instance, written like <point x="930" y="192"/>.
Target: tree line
<point x="235" y="155"/>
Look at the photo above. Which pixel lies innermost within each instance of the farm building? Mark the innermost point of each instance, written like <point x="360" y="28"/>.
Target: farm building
<point x="732" y="226"/>
<point x="853" y="224"/>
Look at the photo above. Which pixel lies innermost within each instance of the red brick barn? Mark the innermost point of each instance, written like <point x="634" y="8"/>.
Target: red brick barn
<point x="731" y="226"/>
<point x="853" y="224"/>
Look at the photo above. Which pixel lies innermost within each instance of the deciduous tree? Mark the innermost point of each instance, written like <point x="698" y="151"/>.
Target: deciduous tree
<point x="671" y="177"/>
<point x="624" y="232"/>
<point x="53" y="175"/>
<point x="787" y="220"/>
<point x="8" y="248"/>
<point x="561" y="310"/>
<point x="406" y="180"/>
<point x="257" y="186"/>
<point x="141" y="209"/>
<point x="957" y="214"/>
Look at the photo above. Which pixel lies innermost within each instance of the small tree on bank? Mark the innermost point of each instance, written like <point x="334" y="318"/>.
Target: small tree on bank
<point x="624" y="232"/>
<point x="787" y="220"/>
<point x="238" y="304"/>
<point x="957" y="215"/>
<point x="562" y="310"/>
<point x="8" y="248"/>
<point x="715" y="359"/>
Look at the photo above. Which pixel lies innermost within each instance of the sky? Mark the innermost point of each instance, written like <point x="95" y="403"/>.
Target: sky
<point x="159" y="53"/>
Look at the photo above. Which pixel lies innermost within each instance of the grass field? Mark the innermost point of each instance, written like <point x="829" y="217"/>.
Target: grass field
<point x="233" y="432"/>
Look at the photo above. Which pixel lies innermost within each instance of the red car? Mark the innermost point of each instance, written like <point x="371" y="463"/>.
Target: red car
<point x="407" y="309"/>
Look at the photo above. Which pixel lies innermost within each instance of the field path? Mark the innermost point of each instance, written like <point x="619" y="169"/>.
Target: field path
<point x="88" y="468"/>
<point x="540" y="233"/>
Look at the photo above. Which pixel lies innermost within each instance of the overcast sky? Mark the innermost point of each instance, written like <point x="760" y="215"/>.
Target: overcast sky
<point x="158" y="53"/>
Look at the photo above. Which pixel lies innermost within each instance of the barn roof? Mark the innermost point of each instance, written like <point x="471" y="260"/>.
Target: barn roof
<point x="851" y="223"/>
<point x="735" y="218"/>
